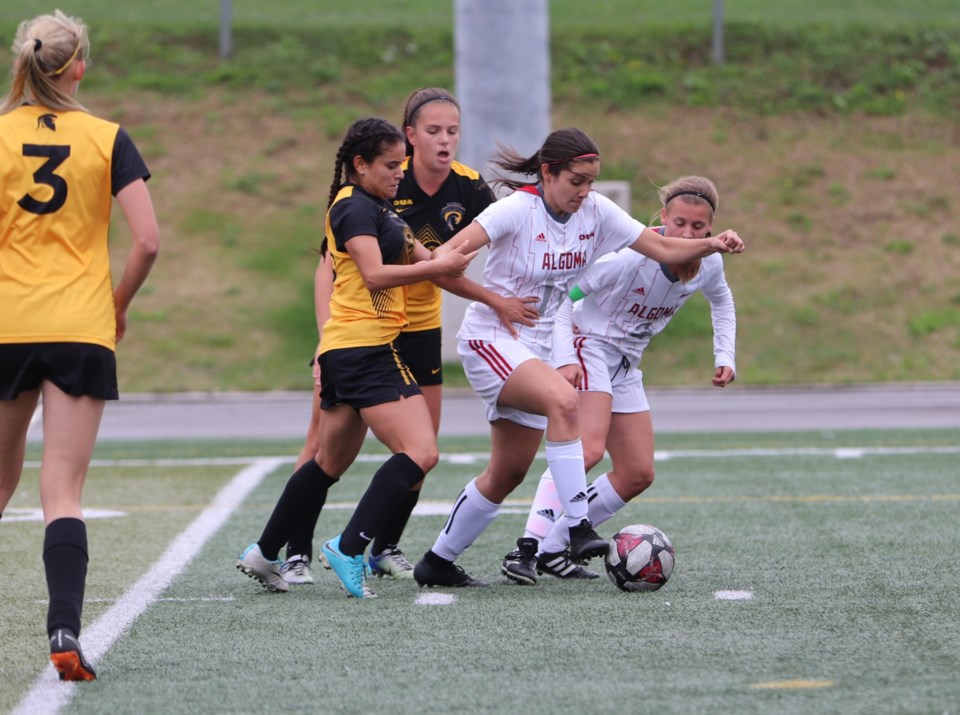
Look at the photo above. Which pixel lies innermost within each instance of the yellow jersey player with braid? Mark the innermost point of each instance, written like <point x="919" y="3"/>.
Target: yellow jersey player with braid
<point x="62" y="316"/>
<point x="364" y="382"/>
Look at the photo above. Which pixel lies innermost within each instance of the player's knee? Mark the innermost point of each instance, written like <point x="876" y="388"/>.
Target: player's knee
<point x="426" y="457"/>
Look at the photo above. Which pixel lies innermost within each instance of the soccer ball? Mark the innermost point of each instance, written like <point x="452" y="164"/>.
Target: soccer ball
<point x="640" y="558"/>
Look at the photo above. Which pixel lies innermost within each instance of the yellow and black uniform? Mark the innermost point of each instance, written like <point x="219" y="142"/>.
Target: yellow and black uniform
<point x="434" y="220"/>
<point x="358" y="363"/>
<point x="58" y="172"/>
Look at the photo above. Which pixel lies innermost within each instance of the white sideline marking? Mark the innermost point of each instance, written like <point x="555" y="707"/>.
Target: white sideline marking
<point x="435" y="599"/>
<point x="48" y="694"/>
<point x="37" y="514"/>
<point x="733" y="595"/>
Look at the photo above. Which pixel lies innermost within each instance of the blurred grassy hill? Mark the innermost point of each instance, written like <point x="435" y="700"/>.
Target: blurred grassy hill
<point x="832" y="132"/>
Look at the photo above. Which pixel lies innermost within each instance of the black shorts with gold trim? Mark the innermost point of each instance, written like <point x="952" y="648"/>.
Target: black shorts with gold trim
<point x="364" y="377"/>
<point x="420" y="349"/>
<point x="79" y="369"/>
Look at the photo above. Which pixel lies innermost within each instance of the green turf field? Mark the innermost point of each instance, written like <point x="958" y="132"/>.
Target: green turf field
<point x="816" y="573"/>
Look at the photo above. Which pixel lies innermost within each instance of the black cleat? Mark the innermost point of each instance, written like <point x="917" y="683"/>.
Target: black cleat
<point x="561" y="566"/>
<point x="433" y="570"/>
<point x="520" y="565"/>
<point x="585" y="543"/>
<point x="67" y="658"/>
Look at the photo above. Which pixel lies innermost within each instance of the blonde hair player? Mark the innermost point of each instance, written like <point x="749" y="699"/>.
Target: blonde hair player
<point x="622" y="301"/>
<point x="62" y="316"/>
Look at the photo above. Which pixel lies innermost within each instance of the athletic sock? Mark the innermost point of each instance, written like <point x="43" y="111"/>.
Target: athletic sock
<point x="565" y="460"/>
<point x="471" y="514"/>
<point x="545" y="509"/>
<point x="389" y="536"/>
<point x="603" y="499"/>
<point x="304" y="495"/>
<point x="604" y="503"/>
<point x="65" y="563"/>
<point x="389" y="487"/>
<point x="300" y="542"/>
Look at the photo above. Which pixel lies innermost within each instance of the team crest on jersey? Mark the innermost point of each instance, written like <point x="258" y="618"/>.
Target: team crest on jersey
<point x="47" y="120"/>
<point x="452" y="216"/>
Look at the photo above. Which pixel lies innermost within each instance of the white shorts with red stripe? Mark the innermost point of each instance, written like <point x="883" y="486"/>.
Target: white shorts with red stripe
<point x="487" y="366"/>
<point x="606" y="369"/>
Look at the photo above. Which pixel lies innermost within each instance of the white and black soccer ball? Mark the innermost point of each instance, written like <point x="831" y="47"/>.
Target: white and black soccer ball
<point x="640" y="558"/>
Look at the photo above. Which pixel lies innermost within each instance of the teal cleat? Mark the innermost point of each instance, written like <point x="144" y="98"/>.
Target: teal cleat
<point x="349" y="569"/>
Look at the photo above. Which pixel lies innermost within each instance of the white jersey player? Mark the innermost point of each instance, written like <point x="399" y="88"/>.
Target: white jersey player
<point x="626" y="300"/>
<point x="541" y="240"/>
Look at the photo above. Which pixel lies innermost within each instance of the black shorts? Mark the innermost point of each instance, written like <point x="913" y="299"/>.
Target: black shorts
<point x="76" y="368"/>
<point x="364" y="377"/>
<point x="420" y="349"/>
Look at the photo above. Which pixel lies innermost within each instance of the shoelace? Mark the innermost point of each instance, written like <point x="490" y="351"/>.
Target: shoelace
<point x="398" y="559"/>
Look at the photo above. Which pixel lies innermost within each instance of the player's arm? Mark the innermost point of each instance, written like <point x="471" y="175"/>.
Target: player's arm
<point x="510" y="310"/>
<point x="377" y="275"/>
<point x="564" y="357"/>
<point x="666" y="249"/>
<point x="137" y="206"/>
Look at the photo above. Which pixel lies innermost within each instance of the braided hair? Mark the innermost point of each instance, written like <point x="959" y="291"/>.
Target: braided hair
<point x="367" y="138"/>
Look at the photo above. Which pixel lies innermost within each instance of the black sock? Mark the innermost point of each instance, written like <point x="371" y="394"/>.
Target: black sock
<point x="65" y="563"/>
<point x="388" y="488"/>
<point x="389" y="536"/>
<point x="301" y="536"/>
<point x="305" y="494"/>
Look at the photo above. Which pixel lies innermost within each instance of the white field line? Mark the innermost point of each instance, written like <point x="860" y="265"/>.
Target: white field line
<point x="48" y="695"/>
<point x="477" y="457"/>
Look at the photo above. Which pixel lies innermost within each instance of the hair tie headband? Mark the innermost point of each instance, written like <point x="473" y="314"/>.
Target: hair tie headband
<point x="413" y="112"/>
<point x="37" y="44"/>
<point x="575" y="158"/>
<point x="67" y="63"/>
<point x="691" y="193"/>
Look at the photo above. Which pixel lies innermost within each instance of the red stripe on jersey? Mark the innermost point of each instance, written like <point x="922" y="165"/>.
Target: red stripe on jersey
<point x="501" y="368"/>
<point x="578" y="345"/>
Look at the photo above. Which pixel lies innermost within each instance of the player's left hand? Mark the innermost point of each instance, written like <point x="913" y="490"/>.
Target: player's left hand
<point x="723" y="376"/>
<point x="572" y="374"/>
<point x="728" y="242"/>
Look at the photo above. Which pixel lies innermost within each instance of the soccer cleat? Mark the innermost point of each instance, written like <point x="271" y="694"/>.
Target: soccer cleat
<point x="561" y="566"/>
<point x="255" y="565"/>
<point x="433" y="570"/>
<point x="585" y="543"/>
<point x="391" y="563"/>
<point x="296" y="570"/>
<point x="520" y="565"/>
<point x="67" y="658"/>
<point x="322" y="561"/>
<point x="349" y="569"/>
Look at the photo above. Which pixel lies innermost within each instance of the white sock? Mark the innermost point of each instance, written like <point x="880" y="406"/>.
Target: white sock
<point x="545" y="509"/>
<point x="471" y="514"/>
<point x="604" y="503"/>
<point x="565" y="460"/>
<point x="604" y="500"/>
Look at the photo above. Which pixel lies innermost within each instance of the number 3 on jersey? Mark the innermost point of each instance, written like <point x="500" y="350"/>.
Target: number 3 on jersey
<point x="55" y="156"/>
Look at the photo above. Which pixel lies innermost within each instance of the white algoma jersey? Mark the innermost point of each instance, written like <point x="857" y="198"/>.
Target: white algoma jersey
<point x="629" y="298"/>
<point x="533" y="253"/>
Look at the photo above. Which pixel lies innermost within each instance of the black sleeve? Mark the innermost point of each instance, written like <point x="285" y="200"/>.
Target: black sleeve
<point x="128" y="165"/>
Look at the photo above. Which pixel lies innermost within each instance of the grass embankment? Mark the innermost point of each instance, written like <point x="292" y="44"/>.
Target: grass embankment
<point x="834" y="144"/>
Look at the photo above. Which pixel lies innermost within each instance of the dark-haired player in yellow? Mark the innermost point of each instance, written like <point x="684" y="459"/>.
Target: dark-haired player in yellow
<point x="61" y="317"/>
<point x="437" y="197"/>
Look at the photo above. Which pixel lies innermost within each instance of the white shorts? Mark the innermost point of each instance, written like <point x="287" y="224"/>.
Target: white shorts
<point x="605" y="369"/>
<point x="487" y="366"/>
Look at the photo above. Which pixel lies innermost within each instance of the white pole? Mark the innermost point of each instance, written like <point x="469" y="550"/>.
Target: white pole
<point x="502" y="67"/>
<point x="718" y="32"/>
<point x="226" y="19"/>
